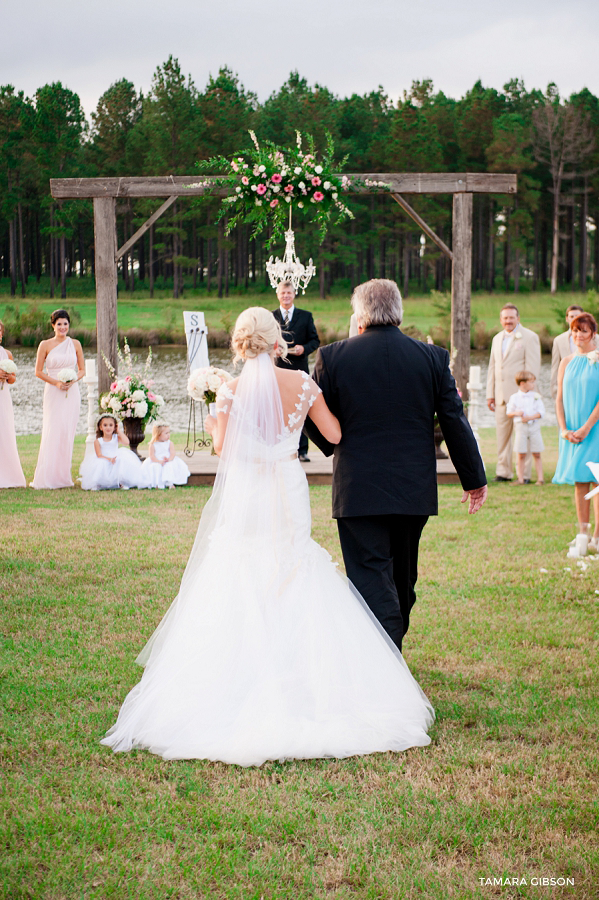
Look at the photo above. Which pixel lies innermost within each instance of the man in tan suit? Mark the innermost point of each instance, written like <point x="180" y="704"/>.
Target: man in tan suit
<point x="513" y="349"/>
<point x="563" y="345"/>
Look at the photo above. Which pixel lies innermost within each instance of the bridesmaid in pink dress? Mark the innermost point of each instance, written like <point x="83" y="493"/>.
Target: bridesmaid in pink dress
<point x="11" y="473"/>
<point x="61" y="404"/>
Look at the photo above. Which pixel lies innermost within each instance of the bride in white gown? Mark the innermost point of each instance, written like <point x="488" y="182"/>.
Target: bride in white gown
<point x="268" y="652"/>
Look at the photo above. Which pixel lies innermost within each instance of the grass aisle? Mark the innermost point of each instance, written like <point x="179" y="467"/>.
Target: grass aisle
<point x="506" y="653"/>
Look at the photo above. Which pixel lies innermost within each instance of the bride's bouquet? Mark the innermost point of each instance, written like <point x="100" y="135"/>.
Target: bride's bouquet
<point x="67" y="376"/>
<point x="9" y="367"/>
<point x="203" y="384"/>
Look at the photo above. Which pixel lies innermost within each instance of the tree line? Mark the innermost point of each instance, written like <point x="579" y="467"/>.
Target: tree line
<point x="545" y="236"/>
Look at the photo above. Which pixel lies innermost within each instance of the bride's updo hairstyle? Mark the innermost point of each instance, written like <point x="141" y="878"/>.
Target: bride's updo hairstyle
<point x="256" y="331"/>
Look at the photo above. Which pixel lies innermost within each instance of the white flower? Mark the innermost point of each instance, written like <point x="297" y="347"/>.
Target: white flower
<point x="276" y="188"/>
<point x="517" y="335"/>
<point x="327" y="185"/>
<point x="115" y="404"/>
<point x="537" y="396"/>
<point x="213" y="382"/>
<point x="287" y="199"/>
<point x="301" y="205"/>
<point x="262" y="168"/>
<point x="104" y="402"/>
<point x="140" y="410"/>
<point x="67" y="376"/>
<point x="258" y="202"/>
<point x="334" y="195"/>
<point x="238" y="189"/>
<point x="8" y="366"/>
<point x="297" y="170"/>
<point x="254" y="186"/>
<point x="593" y="357"/>
<point x="138" y="396"/>
<point x="159" y="401"/>
<point x="318" y="169"/>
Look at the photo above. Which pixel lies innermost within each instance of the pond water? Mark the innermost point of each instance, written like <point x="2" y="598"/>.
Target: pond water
<point x="169" y="369"/>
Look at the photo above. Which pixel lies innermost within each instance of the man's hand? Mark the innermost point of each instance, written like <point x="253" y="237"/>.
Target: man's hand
<point x="477" y="497"/>
<point x="298" y="349"/>
<point x="491" y="403"/>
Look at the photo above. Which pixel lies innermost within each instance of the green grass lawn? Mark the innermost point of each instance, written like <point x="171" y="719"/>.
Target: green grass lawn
<point x="333" y="313"/>
<point x="506" y="652"/>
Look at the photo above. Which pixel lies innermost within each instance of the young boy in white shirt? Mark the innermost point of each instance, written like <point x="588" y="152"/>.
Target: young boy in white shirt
<point x="526" y="408"/>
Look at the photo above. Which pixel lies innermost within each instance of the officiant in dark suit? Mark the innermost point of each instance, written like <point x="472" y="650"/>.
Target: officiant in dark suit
<point x="302" y="339"/>
<point x="385" y="388"/>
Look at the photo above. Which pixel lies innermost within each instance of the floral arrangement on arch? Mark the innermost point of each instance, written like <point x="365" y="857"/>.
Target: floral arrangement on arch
<point x="131" y="396"/>
<point x="268" y="182"/>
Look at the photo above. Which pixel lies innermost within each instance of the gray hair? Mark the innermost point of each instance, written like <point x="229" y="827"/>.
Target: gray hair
<point x="377" y="302"/>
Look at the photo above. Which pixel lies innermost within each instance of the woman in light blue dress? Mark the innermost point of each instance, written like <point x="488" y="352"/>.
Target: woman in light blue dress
<point x="577" y="408"/>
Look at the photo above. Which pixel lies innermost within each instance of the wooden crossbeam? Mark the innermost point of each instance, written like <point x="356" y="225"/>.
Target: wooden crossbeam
<point x="146" y="225"/>
<point x="179" y="185"/>
<point x="420" y="221"/>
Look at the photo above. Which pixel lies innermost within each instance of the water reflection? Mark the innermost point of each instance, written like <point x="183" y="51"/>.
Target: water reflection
<point x="169" y="369"/>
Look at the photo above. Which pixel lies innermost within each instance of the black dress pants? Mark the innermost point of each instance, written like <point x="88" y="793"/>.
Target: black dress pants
<point x="381" y="559"/>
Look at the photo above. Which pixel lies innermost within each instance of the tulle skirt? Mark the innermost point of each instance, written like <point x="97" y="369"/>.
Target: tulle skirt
<point x="268" y="657"/>
<point x="158" y="476"/>
<point x="101" y="474"/>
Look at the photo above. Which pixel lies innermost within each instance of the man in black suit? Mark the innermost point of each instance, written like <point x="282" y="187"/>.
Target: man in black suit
<point x="385" y="389"/>
<point x="302" y="339"/>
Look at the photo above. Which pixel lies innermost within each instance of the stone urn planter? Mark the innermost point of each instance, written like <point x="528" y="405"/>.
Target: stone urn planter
<point x="438" y="438"/>
<point x="135" y="431"/>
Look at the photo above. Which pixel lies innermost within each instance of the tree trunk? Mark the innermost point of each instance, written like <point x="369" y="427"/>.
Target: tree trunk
<point x="584" y="212"/>
<point x="219" y="266"/>
<point x="21" y="251"/>
<point x="406" y="263"/>
<point x="557" y="184"/>
<point x="151" y="260"/>
<point x="63" y="270"/>
<point x="573" y="246"/>
<point x="491" y="248"/>
<point x="52" y="261"/>
<point x="13" y="258"/>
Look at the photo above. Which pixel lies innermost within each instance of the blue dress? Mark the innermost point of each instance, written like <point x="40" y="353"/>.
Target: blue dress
<point x="580" y="395"/>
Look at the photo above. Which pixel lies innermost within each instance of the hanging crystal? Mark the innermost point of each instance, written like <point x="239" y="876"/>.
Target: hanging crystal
<point x="290" y="268"/>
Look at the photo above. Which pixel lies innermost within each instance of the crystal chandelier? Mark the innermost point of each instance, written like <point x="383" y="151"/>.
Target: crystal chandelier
<point x="290" y="268"/>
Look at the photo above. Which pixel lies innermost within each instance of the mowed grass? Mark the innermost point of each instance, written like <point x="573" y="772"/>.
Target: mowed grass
<point x="506" y="653"/>
<point x="332" y="313"/>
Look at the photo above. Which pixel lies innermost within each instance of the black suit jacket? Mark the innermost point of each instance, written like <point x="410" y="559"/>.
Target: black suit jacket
<point x="301" y="330"/>
<point x="385" y="389"/>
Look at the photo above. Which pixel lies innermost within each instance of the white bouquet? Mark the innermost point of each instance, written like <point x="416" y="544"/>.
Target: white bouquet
<point x="204" y="383"/>
<point x="9" y="367"/>
<point x="67" y="376"/>
<point x="132" y="397"/>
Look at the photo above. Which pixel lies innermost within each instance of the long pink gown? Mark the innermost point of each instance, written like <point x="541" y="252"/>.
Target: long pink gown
<point x="61" y="414"/>
<point x="11" y="473"/>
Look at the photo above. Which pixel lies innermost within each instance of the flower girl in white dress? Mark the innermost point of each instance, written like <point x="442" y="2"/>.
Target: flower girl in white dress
<point x="111" y="467"/>
<point x="162" y="468"/>
<point x="268" y="652"/>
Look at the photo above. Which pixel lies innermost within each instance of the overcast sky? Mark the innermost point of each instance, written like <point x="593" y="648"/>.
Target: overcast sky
<point x="346" y="45"/>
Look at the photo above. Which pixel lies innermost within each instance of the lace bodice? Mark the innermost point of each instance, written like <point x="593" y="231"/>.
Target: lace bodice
<point x="307" y="393"/>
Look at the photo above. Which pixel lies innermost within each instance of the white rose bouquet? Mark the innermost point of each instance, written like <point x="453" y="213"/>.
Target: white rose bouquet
<point x="9" y="367"/>
<point x="132" y="396"/>
<point x="67" y="376"/>
<point x="204" y="383"/>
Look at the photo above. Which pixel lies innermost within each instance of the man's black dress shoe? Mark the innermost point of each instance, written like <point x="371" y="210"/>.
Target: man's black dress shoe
<point x="501" y="478"/>
<point x="527" y="481"/>
<point x="304" y="458"/>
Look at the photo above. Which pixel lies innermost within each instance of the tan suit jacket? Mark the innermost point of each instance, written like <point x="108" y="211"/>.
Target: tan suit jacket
<point x="561" y="348"/>
<point x="524" y="352"/>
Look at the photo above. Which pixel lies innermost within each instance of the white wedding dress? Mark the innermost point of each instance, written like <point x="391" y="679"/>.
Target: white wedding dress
<point x="267" y="653"/>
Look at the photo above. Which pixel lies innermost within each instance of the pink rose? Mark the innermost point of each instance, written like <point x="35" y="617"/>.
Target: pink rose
<point x="113" y="386"/>
<point x="274" y="203"/>
<point x="128" y="378"/>
<point x="261" y="189"/>
<point x="288" y="189"/>
<point x="234" y="166"/>
<point x="245" y="179"/>
<point x="276" y="178"/>
<point x="318" y="196"/>
<point x="151" y="396"/>
<point x="316" y="181"/>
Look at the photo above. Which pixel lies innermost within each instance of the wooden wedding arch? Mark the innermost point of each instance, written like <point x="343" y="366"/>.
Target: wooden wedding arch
<point x="105" y="191"/>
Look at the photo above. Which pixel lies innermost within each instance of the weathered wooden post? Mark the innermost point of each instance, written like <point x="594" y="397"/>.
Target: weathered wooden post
<point x="106" y="286"/>
<point x="461" y="275"/>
